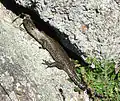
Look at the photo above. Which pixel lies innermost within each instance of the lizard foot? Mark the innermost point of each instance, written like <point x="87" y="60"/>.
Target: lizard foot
<point x="49" y="64"/>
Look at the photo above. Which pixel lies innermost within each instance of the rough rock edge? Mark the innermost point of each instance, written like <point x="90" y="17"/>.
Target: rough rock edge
<point x="22" y="74"/>
<point x="94" y="24"/>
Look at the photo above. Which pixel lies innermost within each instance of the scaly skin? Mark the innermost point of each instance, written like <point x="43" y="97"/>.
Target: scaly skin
<point x="62" y="60"/>
<point x="60" y="56"/>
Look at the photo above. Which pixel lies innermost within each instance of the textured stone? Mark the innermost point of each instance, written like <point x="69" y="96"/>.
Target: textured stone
<point x="22" y="74"/>
<point x="94" y="23"/>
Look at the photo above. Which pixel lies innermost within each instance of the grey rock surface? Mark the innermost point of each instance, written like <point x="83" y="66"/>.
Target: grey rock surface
<point x="93" y="25"/>
<point x="23" y="77"/>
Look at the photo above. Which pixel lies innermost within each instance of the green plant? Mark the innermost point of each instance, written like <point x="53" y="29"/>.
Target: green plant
<point x="102" y="78"/>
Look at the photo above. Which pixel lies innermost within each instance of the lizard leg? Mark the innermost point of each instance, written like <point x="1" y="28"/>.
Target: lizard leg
<point x="52" y="64"/>
<point x="49" y="64"/>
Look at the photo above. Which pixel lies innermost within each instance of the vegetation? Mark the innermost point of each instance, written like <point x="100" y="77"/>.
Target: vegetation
<point x="102" y="79"/>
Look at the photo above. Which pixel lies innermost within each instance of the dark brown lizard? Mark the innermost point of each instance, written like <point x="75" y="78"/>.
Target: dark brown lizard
<point x="62" y="60"/>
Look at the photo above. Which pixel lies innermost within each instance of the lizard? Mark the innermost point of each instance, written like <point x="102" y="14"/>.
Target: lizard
<point x="60" y="56"/>
<point x="62" y="60"/>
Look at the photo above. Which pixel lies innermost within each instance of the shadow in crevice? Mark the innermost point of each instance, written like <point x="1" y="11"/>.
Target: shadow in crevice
<point x="53" y="32"/>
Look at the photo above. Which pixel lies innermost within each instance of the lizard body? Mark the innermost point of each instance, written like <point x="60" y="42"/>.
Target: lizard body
<point x="62" y="60"/>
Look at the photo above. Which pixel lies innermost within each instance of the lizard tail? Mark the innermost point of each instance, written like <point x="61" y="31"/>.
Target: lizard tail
<point x="80" y="83"/>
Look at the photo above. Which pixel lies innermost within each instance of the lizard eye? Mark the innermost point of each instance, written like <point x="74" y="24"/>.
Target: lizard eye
<point x="32" y="28"/>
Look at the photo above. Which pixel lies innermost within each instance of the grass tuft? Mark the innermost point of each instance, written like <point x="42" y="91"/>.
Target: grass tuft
<point x="102" y="79"/>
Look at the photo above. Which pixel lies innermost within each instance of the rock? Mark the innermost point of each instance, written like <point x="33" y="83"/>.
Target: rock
<point x="92" y="25"/>
<point x="23" y="77"/>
